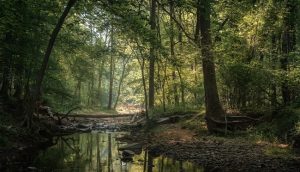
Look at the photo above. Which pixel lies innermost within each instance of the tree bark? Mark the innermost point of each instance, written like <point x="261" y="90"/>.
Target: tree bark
<point x="100" y="82"/>
<point x="125" y="61"/>
<point x="37" y="87"/>
<point x="142" y="66"/>
<point x="182" y="87"/>
<point x="173" y="58"/>
<point x="288" y="46"/>
<point x="111" y="73"/>
<point x="152" y="53"/>
<point x="6" y="67"/>
<point x="50" y="46"/>
<point x="214" y="110"/>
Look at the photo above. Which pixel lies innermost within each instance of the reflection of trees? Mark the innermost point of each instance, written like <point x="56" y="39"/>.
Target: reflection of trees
<point x="162" y="164"/>
<point x="145" y="160"/>
<point x="109" y="157"/>
<point x="98" y="152"/>
<point x="181" y="166"/>
<point x="56" y="155"/>
<point x="98" y="166"/>
<point x="150" y="162"/>
<point x="65" y="140"/>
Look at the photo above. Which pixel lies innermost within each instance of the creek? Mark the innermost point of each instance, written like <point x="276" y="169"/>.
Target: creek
<point x="99" y="151"/>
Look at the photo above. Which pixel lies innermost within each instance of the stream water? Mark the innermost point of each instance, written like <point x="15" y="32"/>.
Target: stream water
<point x="87" y="152"/>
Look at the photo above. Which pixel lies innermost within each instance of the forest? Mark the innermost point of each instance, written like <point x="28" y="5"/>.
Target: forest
<point x="149" y="85"/>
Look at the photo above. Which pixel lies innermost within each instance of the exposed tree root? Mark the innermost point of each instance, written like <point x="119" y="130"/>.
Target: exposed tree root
<point x="231" y="123"/>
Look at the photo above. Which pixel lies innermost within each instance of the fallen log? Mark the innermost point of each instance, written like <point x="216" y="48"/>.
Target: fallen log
<point x="100" y="115"/>
<point x="61" y="116"/>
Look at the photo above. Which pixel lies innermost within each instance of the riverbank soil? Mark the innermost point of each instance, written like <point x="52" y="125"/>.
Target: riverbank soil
<point x="218" y="153"/>
<point x="183" y="140"/>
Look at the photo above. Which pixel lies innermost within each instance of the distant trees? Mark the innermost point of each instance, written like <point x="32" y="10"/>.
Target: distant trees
<point x="165" y="55"/>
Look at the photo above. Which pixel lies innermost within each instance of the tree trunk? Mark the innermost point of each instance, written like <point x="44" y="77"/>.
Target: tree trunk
<point x="173" y="58"/>
<point x="164" y="87"/>
<point x="100" y="82"/>
<point x="182" y="87"/>
<point x="142" y="66"/>
<point x="274" y="60"/>
<point x="214" y="110"/>
<point x="53" y="37"/>
<point x="125" y="61"/>
<point x="6" y="67"/>
<point x="152" y="53"/>
<point x="288" y="46"/>
<point x="37" y="88"/>
<point x="111" y="73"/>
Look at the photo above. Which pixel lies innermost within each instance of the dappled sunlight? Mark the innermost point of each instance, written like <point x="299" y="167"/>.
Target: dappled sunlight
<point x="175" y="134"/>
<point x="196" y="85"/>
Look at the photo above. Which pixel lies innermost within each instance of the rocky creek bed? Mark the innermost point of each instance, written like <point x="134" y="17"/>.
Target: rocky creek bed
<point x="226" y="154"/>
<point x="218" y="156"/>
<point x="173" y="141"/>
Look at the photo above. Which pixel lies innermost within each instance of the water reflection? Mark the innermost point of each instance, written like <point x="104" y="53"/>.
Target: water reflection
<point x="87" y="152"/>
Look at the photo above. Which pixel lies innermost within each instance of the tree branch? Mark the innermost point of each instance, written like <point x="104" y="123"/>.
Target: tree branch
<point x="177" y="22"/>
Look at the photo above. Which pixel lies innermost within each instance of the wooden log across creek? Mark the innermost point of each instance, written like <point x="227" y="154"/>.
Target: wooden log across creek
<point x="102" y="115"/>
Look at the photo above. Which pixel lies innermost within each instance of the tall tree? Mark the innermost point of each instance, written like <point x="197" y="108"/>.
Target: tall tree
<point x="288" y="46"/>
<point x="152" y="55"/>
<point x="214" y="109"/>
<point x="111" y="70"/>
<point x="40" y="76"/>
<point x="172" y="51"/>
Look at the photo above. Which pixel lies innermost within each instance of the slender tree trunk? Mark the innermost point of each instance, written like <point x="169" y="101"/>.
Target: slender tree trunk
<point x="273" y="85"/>
<point x="288" y="46"/>
<point x="182" y="87"/>
<point x="152" y="53"/>
<point x="6" y="67"/>
<point x="100" y="82"/>
<point x="111" y="73"/>
<point x="50" y="46"/>
<point x="92" y="96"/>
<point x="164" y="87"/>
<point x="125" y="61"/>
<point x="31" y="101"/>
<point x="19" y="77"/>
<point x="172" y="44"/>
<point x="214" y="110"/>
<point x="142" y="66"/>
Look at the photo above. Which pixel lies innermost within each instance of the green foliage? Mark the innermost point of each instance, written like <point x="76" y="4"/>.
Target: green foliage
<point x="282" y="127"/>
<point x="248" y="39"/>
<point x="276" y="151"/>
<point x="244" y="86"/>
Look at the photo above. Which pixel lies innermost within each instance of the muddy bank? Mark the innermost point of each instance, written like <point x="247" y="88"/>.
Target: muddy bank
<point x="21" y="150"/>
<point x="225" y="154"/>
<point x="219" y="156"/>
